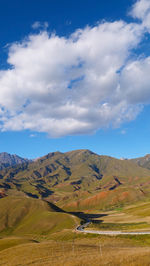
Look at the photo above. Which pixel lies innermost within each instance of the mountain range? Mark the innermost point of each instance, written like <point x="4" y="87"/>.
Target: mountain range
<point x="7" y="160"/>
<point x="77" y="179"/>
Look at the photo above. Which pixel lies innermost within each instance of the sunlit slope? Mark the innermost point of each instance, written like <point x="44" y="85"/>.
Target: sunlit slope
<point x="80" y="178"/>
<point x="26" y="217"/>
<point x="9" y="242"/>
<point x="82" y="251"/>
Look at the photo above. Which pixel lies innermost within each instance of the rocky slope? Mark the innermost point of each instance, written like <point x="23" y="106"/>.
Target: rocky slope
<point x="78" y="179"/>
<point x="7" y="160"/>
<point x="143" y="161"/>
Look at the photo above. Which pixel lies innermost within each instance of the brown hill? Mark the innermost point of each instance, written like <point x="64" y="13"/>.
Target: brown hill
<point x="79" y="179"/>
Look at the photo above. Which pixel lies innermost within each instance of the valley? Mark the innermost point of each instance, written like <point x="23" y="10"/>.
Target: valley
<point x="44" y="201"/>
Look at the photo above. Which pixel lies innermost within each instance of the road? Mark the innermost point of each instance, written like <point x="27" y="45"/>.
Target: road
<point x="81" y="228"/>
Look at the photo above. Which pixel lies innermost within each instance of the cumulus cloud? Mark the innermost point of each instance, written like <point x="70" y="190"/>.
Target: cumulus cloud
<point x="135" y="81"/>
<point x="75" y="85"/>
<point x="141" y="10"/>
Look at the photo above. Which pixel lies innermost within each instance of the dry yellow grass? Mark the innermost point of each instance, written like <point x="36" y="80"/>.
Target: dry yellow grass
<point x="61" y="246"/>
<point x="84" y="252"/>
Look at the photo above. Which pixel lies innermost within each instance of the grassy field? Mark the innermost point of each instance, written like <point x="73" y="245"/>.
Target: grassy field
<point x="131" y="218"/>
<point x="31" y="217"/>
<point x="80" y="251"/>
<point x="121" y="226"/>
<point x="33" y="232"/>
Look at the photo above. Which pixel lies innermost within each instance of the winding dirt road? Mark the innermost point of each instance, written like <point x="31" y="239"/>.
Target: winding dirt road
<point x="81" y="228"/>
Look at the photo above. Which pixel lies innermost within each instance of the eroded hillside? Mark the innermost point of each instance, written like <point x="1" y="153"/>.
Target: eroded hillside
<point x="78" y="179"/>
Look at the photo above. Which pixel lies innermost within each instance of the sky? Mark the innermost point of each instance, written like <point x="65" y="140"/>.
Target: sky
<point x="75" y="75"/>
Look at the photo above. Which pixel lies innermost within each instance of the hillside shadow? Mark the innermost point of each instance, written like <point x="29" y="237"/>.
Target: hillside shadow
<point x="86" y="217"/>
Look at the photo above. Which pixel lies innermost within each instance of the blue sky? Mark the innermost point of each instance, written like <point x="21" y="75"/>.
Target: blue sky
<point x="62" y="88"/>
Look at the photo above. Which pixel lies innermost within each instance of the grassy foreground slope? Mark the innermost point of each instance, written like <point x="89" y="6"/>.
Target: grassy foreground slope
<point x="21" y="216"/>
<point x="82" y="251"/>
<point x="33" y="233"/>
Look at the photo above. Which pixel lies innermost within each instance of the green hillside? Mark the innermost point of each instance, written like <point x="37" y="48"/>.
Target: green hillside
<point x="78" y="179"/>
<point x="22" y="216"/>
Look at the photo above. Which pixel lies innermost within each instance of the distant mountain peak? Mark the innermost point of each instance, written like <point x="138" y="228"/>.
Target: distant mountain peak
<point x="147" y="155"/>
<point x="7" y="160"/>
<point x="80" y="152"/>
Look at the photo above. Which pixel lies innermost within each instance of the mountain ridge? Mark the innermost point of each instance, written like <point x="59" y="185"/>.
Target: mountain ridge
<point x="143" y="161"/>
<point x="78" y="178"/>
<point x="7" y="160"/>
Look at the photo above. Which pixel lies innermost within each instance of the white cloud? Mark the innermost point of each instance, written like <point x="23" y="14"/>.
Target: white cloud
<point x="140" y="9"/>
<point x="135" y="81"/>
<point x="76" y="85"/>
<point x="38" y="25"/>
